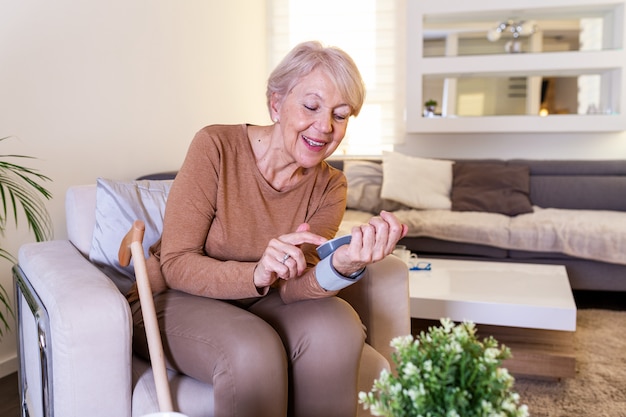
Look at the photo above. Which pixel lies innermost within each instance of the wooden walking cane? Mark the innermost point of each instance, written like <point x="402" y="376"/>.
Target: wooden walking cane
<point x="131" y="246"/>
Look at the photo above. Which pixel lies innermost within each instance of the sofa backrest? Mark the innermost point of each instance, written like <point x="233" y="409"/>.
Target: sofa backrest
<point x="584" y="185"/>
<point x="568" y="184"/>
<point x="80" y="216"/>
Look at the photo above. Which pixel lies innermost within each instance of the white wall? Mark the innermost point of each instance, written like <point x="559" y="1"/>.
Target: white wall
<point x="517" y="145"/>
<point x="117" y="88"/>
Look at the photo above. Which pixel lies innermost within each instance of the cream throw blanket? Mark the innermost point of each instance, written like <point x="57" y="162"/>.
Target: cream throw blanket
<point x="588" y="234"/>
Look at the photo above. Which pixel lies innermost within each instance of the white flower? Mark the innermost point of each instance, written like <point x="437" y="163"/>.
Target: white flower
<point x="385" y="375"/>
<point x="413" y="393"/>
<point x="460" y="333"/>
<point x="410" y="369"/>
<point x="455" y="347"/>
<point x="508" y="404"/>
<point x="447" y="324"/>
<point x="452" y="413"/>
<point x="401" y="342"/>
<point x="503" y="375"/>
<point x="491" y="354"/>
<point x="377" y="410"/>
<point x="487" y="407"/>
<point x="523" y="409"/>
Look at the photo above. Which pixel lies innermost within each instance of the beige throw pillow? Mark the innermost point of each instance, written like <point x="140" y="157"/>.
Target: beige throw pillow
<point x="421" y="183"/>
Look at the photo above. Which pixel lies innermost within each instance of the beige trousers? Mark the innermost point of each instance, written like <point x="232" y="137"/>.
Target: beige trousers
<point x="267" y="360"/>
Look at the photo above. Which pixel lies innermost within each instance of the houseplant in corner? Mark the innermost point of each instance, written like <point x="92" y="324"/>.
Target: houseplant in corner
<point x="21" y="192"/>
<point x="445" y="372"/>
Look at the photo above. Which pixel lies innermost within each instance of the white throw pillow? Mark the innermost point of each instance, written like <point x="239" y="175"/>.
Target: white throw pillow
<point x="420" y="183"/>
<point x="118" y="205"/>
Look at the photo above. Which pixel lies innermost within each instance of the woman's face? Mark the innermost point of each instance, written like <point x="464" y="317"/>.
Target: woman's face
<point x="313" y="118"/>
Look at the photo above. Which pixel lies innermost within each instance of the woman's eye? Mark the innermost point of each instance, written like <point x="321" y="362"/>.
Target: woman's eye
<point x="312" y="108"/>
<point x="340" y="117"/>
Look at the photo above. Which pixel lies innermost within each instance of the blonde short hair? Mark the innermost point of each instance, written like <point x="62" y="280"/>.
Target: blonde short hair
<point x="306" y="57"/>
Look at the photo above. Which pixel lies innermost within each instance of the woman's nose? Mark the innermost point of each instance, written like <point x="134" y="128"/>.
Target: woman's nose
<point x="325" y="123"/>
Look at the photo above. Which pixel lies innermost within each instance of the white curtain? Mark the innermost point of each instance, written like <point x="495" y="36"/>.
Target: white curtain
<point x="372" y="32"/>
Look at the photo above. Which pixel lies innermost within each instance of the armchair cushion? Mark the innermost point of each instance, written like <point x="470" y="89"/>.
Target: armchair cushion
<point x="118" y="204"/>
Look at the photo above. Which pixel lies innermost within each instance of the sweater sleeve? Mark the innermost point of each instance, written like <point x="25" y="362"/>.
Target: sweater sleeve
<point x="190" y="211"/>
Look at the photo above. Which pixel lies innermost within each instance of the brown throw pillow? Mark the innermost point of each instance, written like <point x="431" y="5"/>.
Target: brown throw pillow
<point x="491" y="187"/>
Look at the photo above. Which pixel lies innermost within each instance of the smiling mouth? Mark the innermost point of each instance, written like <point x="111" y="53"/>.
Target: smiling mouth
<point x="312" y="142"/>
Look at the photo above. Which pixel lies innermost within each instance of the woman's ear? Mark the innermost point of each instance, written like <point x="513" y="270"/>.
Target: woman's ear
<point x="275" y="103"/>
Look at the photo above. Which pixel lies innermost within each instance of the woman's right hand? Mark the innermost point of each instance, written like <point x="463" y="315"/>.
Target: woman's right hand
<point x="371" y="242"/>
<point x="283" y="257"/>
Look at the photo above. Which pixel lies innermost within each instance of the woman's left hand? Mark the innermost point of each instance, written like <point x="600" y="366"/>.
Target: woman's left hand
<point x="371" y="242"/>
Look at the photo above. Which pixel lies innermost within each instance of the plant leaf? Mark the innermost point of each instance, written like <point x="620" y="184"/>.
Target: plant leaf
<point x="20" y="187"/>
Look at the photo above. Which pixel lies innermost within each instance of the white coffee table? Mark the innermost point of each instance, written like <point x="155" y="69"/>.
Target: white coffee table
<point x="528" y="307"/>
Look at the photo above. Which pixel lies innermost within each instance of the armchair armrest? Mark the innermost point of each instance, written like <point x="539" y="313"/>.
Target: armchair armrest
<point x="89" y="346"/>
<point x="382" y="301"/>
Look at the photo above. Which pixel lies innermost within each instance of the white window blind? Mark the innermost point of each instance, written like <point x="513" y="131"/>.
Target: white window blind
<point x="371" y="31"/>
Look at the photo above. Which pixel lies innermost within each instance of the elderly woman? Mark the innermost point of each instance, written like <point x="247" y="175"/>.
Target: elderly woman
<point x="250" y="307"/>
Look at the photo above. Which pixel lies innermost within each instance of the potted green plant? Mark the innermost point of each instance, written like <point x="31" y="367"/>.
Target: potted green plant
<point x="429" y="107"/>
<point x="447" y="372"/>
<point x="21" y="192"/>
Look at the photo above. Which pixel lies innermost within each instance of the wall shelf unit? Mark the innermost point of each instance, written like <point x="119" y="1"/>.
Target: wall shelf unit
<point x="570" y="61"/>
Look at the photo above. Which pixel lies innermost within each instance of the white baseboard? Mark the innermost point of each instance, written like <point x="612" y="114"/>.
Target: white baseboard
<point x="8" y="366"/>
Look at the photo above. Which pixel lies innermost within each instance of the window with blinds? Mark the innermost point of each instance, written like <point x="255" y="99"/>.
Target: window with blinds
<point x="371" y="31"/>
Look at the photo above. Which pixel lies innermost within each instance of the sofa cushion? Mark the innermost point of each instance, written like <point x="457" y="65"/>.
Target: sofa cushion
<point x="365" y="180"/>
<point x="491" y="187"/>
<point x="118" y="205"/>
<point x="419" y="183"/>
<point x="474" y="227"/>
<point x="589" y="234"/>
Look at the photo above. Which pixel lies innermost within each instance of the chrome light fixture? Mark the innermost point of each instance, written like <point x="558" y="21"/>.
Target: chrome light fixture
<point x="517" y="29"/>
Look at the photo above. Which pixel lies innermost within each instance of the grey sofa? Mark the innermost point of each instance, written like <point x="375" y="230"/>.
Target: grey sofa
<point x="576" y="185"/>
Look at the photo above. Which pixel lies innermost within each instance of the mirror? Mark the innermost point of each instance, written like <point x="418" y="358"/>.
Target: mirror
<point x="580" y="28"/>
<point x="518" y="95"/>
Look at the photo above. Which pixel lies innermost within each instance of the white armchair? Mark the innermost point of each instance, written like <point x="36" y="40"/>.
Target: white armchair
<point x="75" y="329"/>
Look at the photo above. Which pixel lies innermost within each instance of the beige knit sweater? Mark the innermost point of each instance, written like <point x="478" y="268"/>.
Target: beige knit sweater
<point x="221" y="213"/>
